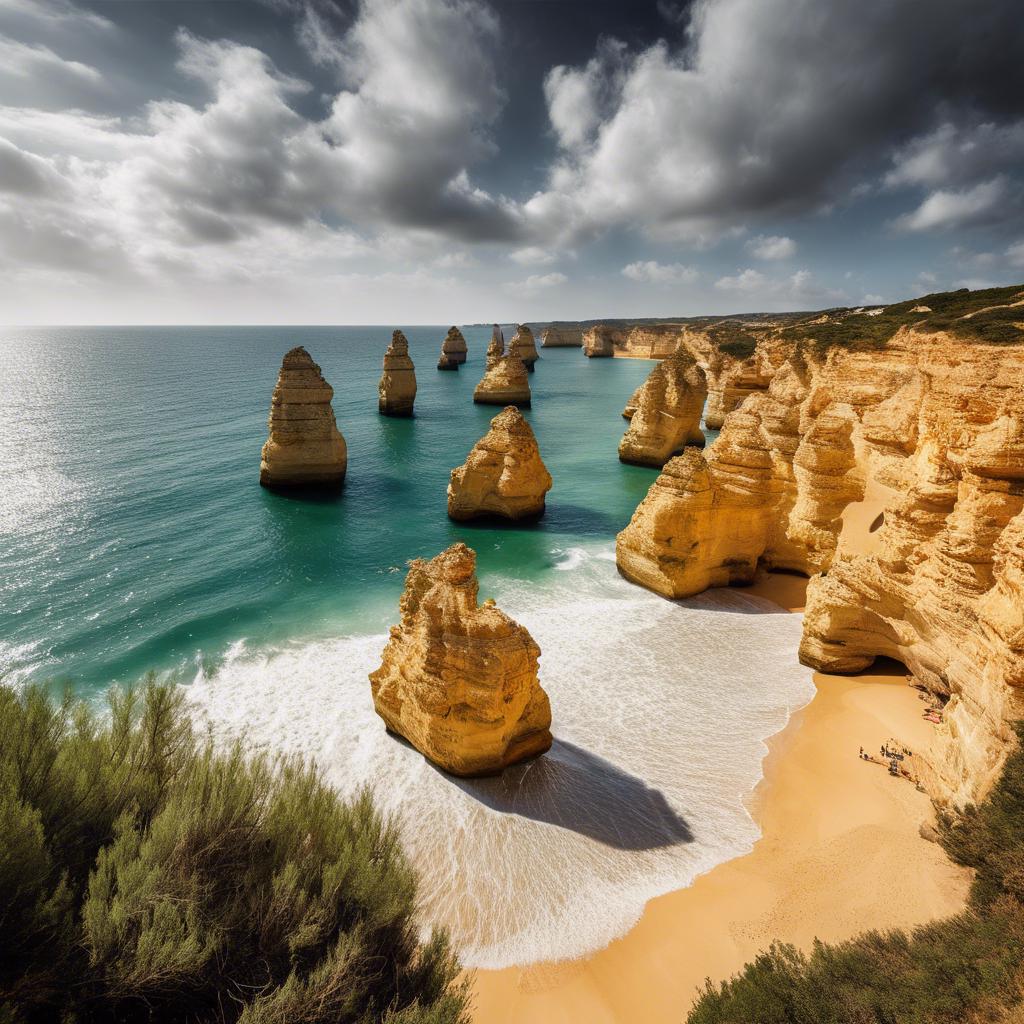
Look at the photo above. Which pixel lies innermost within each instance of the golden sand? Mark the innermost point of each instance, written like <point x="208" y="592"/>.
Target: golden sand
<point x="839" y="853"/>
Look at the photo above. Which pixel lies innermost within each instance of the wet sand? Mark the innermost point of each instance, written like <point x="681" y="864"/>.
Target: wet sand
<point x="840" y="853"/>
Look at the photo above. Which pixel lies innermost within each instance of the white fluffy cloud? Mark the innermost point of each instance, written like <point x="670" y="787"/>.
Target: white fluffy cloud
<point x="660" y="273"/>
<point x="950" y="208"/>
<point x="748" y="280"/>
<point x="771" y="247"/>
<point x="533" y="256"/>
<point x="536" y="283"/>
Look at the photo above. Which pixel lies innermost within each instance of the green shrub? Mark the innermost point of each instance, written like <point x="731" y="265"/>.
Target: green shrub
<point x="146" y="876"/>
<point x="967" y="968"/>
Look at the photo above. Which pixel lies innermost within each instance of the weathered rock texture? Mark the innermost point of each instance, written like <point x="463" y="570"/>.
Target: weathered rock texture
<point x="504" y="475"/>
<point x="634" y="401"/>
<point x="653" y="341"/>
<point x="561" y="337"/>
<point x="459" y="680"/>
<point x="305" y="448"/>
<point x="667" y="413"/>
<point x="506" y="381"/>
<point x="398" y="382"/>
<point x="919" y="435"/>
<point x="524" y="345"/>
<point x="453" y="350"/>
<point x="495" y="347"/>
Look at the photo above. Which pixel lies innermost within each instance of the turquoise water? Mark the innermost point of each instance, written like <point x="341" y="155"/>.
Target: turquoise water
<point x="136" y="537"/>
<point x="135" y="534"/>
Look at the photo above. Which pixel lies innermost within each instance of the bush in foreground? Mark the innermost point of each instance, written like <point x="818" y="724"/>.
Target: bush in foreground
<point x="146" y="877"/>
<point x="969" y="968"/>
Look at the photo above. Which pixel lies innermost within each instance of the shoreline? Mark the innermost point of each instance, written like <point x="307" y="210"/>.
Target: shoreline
<point x="839" y="853"/>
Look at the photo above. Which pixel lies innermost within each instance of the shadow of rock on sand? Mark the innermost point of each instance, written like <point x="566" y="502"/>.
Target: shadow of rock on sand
<point x="577" y="790"/>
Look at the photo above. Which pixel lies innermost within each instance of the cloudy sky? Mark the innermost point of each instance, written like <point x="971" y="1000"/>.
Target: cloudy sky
<point x="429" y="161"/>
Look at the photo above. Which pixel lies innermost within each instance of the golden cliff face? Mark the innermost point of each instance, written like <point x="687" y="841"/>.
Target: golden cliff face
<point x="506" y="381"/>
<point x="459" y="680"/>
<point x="893" y="474"/>
<point x="397" y="387"/>
<point x="666" y="412"/>
<point x="524" y="345"/>
<point x="653" y="341"/>
<point x="561" y="337"/>
<point x="305" y="448"/>
<point x="453" y="350"/>
<point x="504" y="475"/>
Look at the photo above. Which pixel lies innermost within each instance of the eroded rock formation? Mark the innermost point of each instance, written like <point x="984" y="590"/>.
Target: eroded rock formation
<point x="506" y="381"/>
<point x="647" y="341"/>
<point x="398" y="382"/>
<point x="305" y="448"/>
<point x="666" y="416"/>
<point x="892" y="471"/>
<point x="453" y="350"/>
<point x="524" y="345"/>
<point x="634" y="401"/>
<point x="504" y="475"/>
<point x="561" y="336"/>
<point x="458" y="679"/>
<point x="495" y="347"/>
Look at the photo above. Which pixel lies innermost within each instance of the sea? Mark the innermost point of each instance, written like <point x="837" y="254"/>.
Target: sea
<point x="135" y="539"/>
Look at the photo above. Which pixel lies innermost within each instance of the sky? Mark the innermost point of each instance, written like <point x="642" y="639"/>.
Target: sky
<point x="460" y="161"/>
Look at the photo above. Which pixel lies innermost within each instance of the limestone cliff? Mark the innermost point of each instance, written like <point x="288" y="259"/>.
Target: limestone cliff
<point x="505" y="382"/>
<point x="504" y="475"/>
<point x="667" y="413"/>
<point x="453" y="350"/>
<point x="495" y="347"/>
<point x="558" y="336"/>
<point x="524" y="345"/>
<point x="398" y="382"/>
<point x="458" y="679"/>
<point x="648" y="341"/>
<point x="305" y="447"/>
<point x="885" y="458"/>
<point x="634" y="400"/>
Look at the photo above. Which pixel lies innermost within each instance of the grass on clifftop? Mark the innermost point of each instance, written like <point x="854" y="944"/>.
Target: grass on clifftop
<point x="146" y="877"/>
<point x="964" y="314"/>
<point x="964" y="970"/>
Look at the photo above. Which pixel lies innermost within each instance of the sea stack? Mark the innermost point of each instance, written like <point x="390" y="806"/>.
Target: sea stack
<point x="524" y="345"/>
<point x="453" y="350"/>
<point x="667" y="411"/>
<point x="506" y="381"/>
<point x="458" y="679"/>
<point x="496" y="347"/>
<point x="503" y="476"/>
<point x="305" y="448"/>
<point x="398" y="382"/>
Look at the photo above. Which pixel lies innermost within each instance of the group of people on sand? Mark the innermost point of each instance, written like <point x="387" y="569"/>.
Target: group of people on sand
<point x="892" y="753"/>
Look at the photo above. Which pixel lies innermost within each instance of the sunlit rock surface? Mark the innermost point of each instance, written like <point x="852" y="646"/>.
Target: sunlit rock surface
<point x="453" y="350"/>
<point x="458" y="679"/>
<point x="524" y="345"/>
<point x="892" y="473"/>
<point x="558" y="336"/>
<point x="398" y="382"/>
<point x="305" y="448"/>
<point x="666" y="412"/>
<point x="504" y="475"/>
<point x="506" y="381"/>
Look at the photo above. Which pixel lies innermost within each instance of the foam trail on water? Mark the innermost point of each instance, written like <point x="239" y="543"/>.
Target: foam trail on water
<point x="660" y="712"/>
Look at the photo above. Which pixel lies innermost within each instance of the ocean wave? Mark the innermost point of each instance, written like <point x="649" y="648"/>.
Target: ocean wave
<point x="661" y="710"/>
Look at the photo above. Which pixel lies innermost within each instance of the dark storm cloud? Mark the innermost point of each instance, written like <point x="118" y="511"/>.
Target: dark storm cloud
<point x="774" y="107"/>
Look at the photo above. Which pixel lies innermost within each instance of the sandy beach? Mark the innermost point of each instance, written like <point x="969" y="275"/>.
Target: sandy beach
<point x="840" y="853"/>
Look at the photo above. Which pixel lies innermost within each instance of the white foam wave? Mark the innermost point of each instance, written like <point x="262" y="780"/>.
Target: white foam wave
<point x="660" y="711"/>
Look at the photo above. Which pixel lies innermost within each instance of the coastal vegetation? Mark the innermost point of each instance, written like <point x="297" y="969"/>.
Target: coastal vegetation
<point x="964" y="970"/>
<point x="988" y="315"/>
<point x="145" y="875"/>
